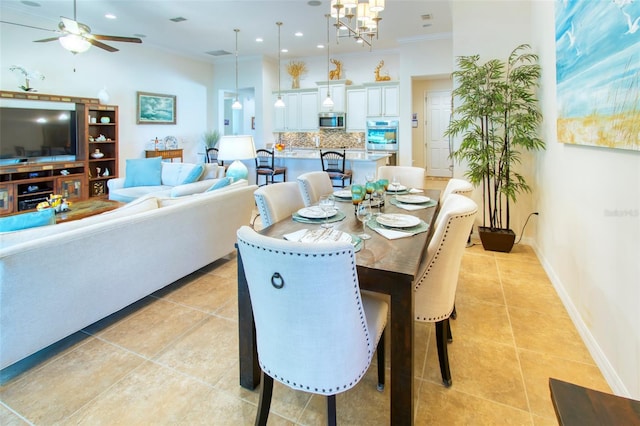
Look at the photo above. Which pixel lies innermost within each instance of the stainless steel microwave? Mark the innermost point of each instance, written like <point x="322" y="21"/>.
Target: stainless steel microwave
<point x="332" y="120"/>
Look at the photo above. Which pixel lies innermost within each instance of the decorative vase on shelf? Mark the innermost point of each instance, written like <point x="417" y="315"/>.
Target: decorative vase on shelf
<point x="103" y="96"/>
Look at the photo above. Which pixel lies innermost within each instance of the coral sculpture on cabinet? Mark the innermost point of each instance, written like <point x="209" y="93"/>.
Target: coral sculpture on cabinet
<point x="296" y="70"/>
<point x="377" y="73"/>
<point x="336" y="73"/>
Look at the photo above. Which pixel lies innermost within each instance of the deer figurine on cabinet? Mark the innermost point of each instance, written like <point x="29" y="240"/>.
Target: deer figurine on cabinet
<point x="335" y="74"/>
<point x="377" y="73"/>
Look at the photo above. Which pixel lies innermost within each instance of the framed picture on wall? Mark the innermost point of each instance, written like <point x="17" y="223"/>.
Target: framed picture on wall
<point x="155" y="108"/>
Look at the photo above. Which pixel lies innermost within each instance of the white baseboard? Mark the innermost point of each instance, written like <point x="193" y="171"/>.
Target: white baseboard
<point x="600" y="358"/>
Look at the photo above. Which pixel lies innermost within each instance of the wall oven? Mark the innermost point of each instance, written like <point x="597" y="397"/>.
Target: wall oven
<point x="382" y="135"/>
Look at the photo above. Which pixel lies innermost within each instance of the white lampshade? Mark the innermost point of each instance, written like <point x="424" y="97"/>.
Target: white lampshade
<point x="328" y="102"/>
<point x="236" y="104"/>
<point x="279" y="103"/>
<point x="234" y="148"/>
<point x="74" y="43"/>
<point x="376" y="5"/>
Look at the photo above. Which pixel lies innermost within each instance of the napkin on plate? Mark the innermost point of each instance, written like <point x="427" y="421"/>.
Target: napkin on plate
<point x="415" y="191"/>
<point x="392" y="234"/>
<point x="318" y="235"/>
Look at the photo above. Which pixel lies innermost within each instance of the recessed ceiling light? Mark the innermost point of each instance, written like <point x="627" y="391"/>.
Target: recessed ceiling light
<point x="178" y="19"/>
<point x="314" y="2"/>
<point x="30" y="3"/>
<point x="320" y="46"/>
<point x="285" y="50"/>
<point x="298" y="34"/>
<point x="259" y="39"/>
<point x="110" y="16"/>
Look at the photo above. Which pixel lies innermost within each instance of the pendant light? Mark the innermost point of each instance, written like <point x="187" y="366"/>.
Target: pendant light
<point x="279" y="102"/>
<point x="236" y="104"/>
<point x="328" y="102"/>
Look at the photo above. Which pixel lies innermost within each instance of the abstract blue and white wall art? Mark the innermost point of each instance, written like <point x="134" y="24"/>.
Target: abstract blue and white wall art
<point x="598" y="72"/>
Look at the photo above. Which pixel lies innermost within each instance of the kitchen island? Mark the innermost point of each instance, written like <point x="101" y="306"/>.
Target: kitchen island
<point x="299" y="161"/>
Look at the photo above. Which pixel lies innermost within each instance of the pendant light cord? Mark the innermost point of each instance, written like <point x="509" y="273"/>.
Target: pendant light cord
<point x="237" y="31"/>
<point x="279" y="24"/>
<point x="328" y="76"/>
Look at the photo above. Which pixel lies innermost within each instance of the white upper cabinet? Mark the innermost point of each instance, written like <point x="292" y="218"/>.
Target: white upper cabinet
<point x="300" y="112"/>
<point x="383" y="100"/>
<point x="337" y="89"/>
<point x="356" y="110"/>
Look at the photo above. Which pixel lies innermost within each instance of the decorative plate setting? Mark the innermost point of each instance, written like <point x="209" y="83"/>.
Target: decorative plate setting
<point x="397" y="220"/>
<point x="413" y="199"/>
<point x="343" y="193"/>
<point x="396" y="188"/>
<point x="316" y="212"/>
<point x="170" y="142"/>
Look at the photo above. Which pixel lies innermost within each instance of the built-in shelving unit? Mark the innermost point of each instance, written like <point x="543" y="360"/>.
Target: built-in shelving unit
<point x="24" y="185"/>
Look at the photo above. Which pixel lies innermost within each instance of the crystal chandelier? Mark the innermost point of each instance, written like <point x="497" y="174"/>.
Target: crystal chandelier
<point x="358" y="19"/>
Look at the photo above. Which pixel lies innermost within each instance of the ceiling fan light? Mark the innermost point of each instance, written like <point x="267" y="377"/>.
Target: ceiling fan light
<point x="74" y="43"/>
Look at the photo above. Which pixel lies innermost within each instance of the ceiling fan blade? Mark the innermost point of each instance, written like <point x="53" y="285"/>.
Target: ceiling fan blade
<point x="44" y="40"/>
<point x="96" y="43"/>
<point x="70" y="26"/>
<point x="117" y="38"/>
<point x="28" y="26"/>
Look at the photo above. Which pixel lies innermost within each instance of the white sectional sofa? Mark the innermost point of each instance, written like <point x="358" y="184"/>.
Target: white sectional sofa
<point x="173" y="176"/>
<point x="57" y="279"/>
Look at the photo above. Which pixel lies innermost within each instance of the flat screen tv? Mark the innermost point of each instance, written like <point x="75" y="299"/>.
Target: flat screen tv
<point x="37" y="135"/>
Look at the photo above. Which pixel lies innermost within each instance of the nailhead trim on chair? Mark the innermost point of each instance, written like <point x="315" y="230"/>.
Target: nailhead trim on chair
<point x="354" y="275"/>
<point x="435" y="257"/>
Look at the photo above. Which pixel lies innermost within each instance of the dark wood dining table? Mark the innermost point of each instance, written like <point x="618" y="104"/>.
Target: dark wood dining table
<point x="384" y="266"/>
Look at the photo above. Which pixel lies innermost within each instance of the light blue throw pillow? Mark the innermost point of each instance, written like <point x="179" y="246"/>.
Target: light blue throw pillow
<point x="194" y="174"/>
<point x="225" y="181"/>
<point x="143" y="172"/>
<point x="28" y="220"/>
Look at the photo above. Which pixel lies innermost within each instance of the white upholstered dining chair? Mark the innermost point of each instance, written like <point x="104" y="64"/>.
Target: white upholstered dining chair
<point x="411" y="177"/>
<point x="435" y="289"/>
<point x="278" y="201"/>
<point x="315" y="332"/>
<point x="313" y="185"/>
<point x="457" y="186"/>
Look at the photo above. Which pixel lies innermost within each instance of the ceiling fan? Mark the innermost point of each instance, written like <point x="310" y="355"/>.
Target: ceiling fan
<point x="76" y="36"/>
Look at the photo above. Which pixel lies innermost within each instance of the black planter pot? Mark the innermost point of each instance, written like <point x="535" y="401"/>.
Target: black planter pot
<point x="497" y="239"/>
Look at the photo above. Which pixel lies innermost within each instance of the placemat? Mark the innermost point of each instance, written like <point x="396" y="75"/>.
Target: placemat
<point x="397" y="232"/>
<point x="335" y="218"/>
<point x="414" y="206"/>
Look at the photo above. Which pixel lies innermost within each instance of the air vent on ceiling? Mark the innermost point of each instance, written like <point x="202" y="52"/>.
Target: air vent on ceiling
<point x="426" y="17"/>
<point x="178" y="19"/>
<point x="218" y="53"/>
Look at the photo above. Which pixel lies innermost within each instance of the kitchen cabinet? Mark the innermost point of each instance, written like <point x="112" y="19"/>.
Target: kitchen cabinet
<point x="356" y="109"/>
<point x="337" y="88"/>
<point x="383" y="100"/>
<point x="300" y="113"/>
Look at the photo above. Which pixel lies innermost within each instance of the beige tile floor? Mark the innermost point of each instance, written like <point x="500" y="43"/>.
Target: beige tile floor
<point x="172" y="359"/>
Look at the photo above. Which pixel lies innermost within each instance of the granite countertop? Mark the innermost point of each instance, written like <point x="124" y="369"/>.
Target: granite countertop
<point x="314" y="153"/>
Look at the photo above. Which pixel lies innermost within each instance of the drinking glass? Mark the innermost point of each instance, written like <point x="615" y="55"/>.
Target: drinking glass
<point x="395" y="182"/>
<point x="369" y="185"/>
<point x="327" y="204"/>
<point x="363" y="212"/>
<point x="380" y="193"/>
<point x="357" y="194"/>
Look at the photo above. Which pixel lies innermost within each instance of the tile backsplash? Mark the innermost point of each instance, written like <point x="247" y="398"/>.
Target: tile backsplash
<point x="327" y="139"/>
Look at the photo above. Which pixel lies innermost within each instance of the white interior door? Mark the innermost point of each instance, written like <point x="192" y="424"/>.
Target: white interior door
<point x="437" y="150"/>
